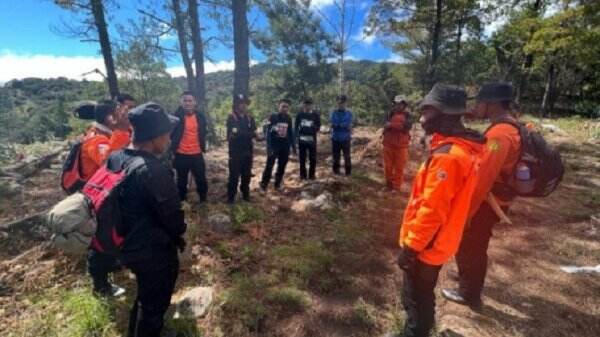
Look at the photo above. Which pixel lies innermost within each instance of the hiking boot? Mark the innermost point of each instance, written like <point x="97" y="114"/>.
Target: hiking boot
<point x="112" y="290"/>
<point x="456" y="296"/>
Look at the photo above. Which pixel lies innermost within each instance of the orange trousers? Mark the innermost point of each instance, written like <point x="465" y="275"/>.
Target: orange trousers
<point x="394" y="160"/>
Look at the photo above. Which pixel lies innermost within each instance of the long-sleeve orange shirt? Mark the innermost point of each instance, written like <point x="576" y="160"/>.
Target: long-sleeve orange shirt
<point x="438" y="207"/>
<point x="98" y="143"/>
<point x="498" y="161"/>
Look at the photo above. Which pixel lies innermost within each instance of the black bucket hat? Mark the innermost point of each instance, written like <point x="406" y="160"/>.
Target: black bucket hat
<point x="495" y="92"/>
<point x="150" y="121"/>
<point x="449" y="99"/>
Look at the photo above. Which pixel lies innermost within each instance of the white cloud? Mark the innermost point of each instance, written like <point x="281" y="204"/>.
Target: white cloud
<point x="209" y="67"/>
<point x="395" y="58"/>
<point x="19" y="66"/>
<point x="364" y="38"/>
<point x="321" y="3"/>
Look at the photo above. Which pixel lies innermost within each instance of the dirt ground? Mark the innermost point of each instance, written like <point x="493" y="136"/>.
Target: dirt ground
<point x="341" y="262"/>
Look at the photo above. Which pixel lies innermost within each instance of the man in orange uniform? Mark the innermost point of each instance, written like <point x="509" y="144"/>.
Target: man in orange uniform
<point x="498" y="163"/>
<point x="188" y="142"/>
<point x="439" y="204"/>
<point x="396" y="139"/>
<point x="110" y="132"/>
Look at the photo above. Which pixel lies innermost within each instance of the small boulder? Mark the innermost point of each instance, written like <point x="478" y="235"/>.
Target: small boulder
<point x="220" y="223"/>
<point x="194" y="303"/>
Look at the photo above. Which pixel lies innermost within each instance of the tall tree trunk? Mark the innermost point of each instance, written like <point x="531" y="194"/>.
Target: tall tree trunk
<point x="548" y="91"/>
<point x="198" y="53"/>
<point x="537" y="6"/>
<point x="179" y="19"/>
<point x="241" y="73"/>
<point x="342" y="47"/>
<point x="458" y="68"/>
<point x="435" y="44"/>
<point x="100" y="22"/>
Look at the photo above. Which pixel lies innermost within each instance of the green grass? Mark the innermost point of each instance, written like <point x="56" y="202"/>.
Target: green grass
<point x="69" y="313"/>
<point x="364" y="313"/>
<point x="289" y="298"/>
<point x="306" y="261"/>
<point x="243" y="302"/>
<point x="245" y="213"/>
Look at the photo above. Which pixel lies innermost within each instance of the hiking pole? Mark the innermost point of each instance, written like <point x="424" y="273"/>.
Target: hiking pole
<point x="491" y="200"/>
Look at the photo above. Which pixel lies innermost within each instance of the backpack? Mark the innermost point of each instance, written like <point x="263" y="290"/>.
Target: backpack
<point x="70" y="179"/>
<point x="102" y="193"/>
<point x="544" y="162"/>
<point x="72" y="225"/>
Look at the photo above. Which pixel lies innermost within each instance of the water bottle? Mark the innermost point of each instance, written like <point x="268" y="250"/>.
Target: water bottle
<point x="524" y="183"/>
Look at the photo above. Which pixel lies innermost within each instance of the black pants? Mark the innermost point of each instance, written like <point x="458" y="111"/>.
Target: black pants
<point x="337" y="148"/>
<point x="155" y="284"/>
<point x="184" y="164"/>
<point x="240" y="166"/>
<point x="418" y="299"/>
<point x="99" y="266"/>
<point x="472" y="257"/>
<point x="311" y="148"/>
<point x="281" y="155"/>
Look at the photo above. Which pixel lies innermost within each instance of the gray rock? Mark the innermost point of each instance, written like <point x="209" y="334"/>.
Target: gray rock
<point x="322" y="202"/>
<point x="194" y="303"/>
<point x="220" y="223"/>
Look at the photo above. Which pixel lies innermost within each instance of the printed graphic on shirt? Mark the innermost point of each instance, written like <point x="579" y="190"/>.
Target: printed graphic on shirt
<point x="307" y="139"/>
<point x="234" y="130"/>
<point x="281" y="129"/>
<point x="494" y="145"/>
<point x="306" y="123"/>
<point x="103" y="149"/>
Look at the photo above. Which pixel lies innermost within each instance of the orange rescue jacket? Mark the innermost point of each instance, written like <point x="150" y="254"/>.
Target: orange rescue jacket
<point x="98" y="143"/>
<point x="498" y="161"/>
<point x="438" y="207"/>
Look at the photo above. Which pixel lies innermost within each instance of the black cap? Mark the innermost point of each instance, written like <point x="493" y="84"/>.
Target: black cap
<point x="241" y="98"/>
<point x="341" y="98"/>
<point x="449" y="99"/>
<point x="150" y="121"/>
<point x="495" y="92"/>
<point x="308" y="100"/>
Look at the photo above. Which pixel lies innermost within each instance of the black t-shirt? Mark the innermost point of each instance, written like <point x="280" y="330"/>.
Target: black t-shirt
<point x="280" y="131"/>
<point x="307" y="126"/>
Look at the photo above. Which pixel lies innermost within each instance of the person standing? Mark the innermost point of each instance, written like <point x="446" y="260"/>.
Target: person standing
<point x="109" y="133"/>
<point x="439" y="203"/>
<point x="307" y="124"/>
<point x="396" y="139"/>
<point x="280" y="139"/>
<point x="152" y="219"/>
<point x="188" y="143"/>
<point x="341" y="135"/>
<point x="241" y="131"/>
<point x="494" y="102"/>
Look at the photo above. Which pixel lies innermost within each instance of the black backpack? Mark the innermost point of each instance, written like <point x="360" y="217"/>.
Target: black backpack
<point x="543" y="160"/>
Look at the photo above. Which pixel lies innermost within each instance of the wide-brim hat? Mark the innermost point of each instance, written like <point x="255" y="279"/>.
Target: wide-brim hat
<point x="449" y="99"/>
<point x="150" y="121"/>
<point x="400" y="99"/>
<point x="495" y="92"/>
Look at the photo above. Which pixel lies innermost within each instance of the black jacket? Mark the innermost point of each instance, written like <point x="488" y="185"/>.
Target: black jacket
<point x="307" y="125"/>
<point x="152" y="218"/>
<point x="177" y="133"/>
<point x="241" y="131"/>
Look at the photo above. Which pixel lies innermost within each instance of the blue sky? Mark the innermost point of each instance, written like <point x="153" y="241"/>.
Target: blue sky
<point x="29" y="47"/>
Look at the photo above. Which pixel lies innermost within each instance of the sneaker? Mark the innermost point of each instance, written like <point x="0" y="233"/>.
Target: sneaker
<point x="456" y="296"/>
<point x="112" y="290"/>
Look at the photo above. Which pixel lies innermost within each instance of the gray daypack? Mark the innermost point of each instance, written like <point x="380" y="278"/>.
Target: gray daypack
<point x="72" y="224"/>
